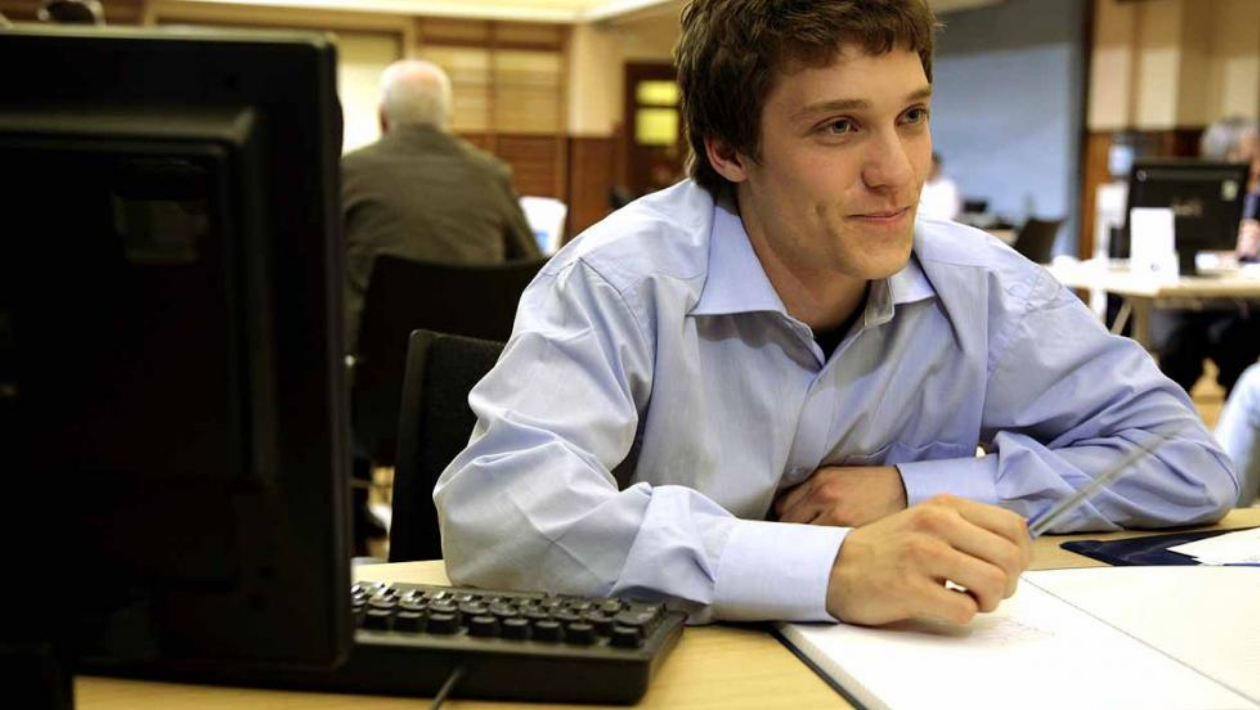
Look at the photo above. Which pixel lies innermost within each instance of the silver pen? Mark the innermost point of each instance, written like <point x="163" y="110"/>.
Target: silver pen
<point x="1039" y="524"/>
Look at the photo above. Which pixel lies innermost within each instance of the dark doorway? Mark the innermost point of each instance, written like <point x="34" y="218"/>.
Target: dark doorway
<point x="655" y="147"/>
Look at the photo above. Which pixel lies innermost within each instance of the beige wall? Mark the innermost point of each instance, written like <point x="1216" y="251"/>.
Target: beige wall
<point x="595" y="81"/>
<point x="1235" y="75"/>
<point x="362" y="57"/>
<point x="598" y="53"/>
<point x="1164" y="64"/>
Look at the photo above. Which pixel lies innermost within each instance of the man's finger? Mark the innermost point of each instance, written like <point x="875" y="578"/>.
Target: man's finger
<point x="985" y="581"/>
<point x="801" y="511"/>
<point x="793" y="496"/>
<point x="934" y="601"/>
<point x="982" y="544"/>
<point x="1001" y="522"/>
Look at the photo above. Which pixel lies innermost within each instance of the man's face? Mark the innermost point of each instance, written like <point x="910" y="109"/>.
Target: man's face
<point x="844" y="153"/>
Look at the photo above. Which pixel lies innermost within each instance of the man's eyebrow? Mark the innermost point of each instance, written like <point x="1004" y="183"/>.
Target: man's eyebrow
<point x="854" y="104"/>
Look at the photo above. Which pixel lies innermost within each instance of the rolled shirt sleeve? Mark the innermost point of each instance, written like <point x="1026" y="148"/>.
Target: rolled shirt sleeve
<point x="532" y="502"/>
<point x="1065" y="401"/>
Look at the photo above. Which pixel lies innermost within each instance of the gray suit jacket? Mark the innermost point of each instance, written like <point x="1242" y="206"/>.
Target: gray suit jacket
<point x="421" y="194"/>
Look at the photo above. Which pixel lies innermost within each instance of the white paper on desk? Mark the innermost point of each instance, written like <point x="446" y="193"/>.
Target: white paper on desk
<point x="1042" y="651"/>
<point x="1152" y="247"/>
<point x="1242" y="547"/>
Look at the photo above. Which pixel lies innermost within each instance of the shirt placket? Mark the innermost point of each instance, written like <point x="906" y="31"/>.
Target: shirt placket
<point x="818" y="409"/>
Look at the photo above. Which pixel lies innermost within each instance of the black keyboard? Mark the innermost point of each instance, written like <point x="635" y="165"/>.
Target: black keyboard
<point x="413" y="638"/>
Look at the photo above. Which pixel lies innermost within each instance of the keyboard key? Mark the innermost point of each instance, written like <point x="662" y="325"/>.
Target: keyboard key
<point x="547" y="630"/>
<point x="378" y="620"/>
<point x="443" y="607"/>
<point x="602" y="622"/>
<point x="443" y="624"/>
<point x="515" y="628"/>
<point x="579" y="633"/>
<point x="473" y="608"/>
<point x="483" y="626"/>
<point x="625" y="637"/>
<point x="409" y="622"/>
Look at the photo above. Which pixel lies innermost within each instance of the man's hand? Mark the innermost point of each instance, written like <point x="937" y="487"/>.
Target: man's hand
<point x="845" y="496"/>
<point x="896" y="568"/>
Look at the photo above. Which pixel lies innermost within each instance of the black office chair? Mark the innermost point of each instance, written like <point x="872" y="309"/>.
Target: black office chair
<point x="433" y="427"/>
<point x="403" y="295"/>
<point x="1036" y="239"/>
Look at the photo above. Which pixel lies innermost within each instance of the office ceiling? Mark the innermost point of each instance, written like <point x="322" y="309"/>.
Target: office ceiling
<point x="536" y="10"/>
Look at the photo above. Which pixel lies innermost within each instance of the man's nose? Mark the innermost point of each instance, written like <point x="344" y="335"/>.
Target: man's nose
<point x="887" y="162"/>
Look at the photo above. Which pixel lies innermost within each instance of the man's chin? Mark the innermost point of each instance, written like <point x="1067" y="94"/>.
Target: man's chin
<point x="891" y="259"/>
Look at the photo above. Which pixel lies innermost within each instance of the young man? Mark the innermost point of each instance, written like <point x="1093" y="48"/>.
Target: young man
<point x="760" y="393"/>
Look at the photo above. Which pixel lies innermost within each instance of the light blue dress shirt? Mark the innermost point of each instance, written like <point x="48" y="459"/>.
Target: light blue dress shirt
<point x="657" y="336"/>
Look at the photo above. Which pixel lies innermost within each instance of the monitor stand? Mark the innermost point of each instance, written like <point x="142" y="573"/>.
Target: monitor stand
<point x="1186" y="262"/>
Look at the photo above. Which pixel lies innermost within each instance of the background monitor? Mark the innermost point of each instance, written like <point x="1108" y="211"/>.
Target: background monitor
<point x="1206" y="199"/>
<point x="173" y="426"/>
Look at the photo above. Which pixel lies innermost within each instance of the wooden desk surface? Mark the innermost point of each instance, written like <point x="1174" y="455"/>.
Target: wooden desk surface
<point x="1122" y="282"/>
<point x="712" y="667"/>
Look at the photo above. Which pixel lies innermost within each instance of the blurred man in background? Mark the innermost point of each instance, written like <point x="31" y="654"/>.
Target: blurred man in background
<point x="72" y="12"/>
<point x="940" y="198"/>
<point x="421" y="193"/>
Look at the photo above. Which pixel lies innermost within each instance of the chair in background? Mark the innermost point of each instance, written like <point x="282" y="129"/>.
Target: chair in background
<point x="433" y="427"/>
<point x="403" y="295"/>
<point x="1036" y="239"/>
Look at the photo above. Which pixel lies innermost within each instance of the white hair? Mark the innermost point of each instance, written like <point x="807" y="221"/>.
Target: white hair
<point x="1224" y="138"/>
<point x="416" y="93"/>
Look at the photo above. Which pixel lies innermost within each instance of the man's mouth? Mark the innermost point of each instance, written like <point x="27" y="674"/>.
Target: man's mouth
<point x="882" y="215"/>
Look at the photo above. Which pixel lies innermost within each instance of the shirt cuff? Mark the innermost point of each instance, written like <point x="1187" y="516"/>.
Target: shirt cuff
<point x="974" y="478"/>
<point x="776" y="571"/>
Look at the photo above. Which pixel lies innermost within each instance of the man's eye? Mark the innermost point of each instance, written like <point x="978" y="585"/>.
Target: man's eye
<point x="840" y="127"/>
<point x="916" y="115"/>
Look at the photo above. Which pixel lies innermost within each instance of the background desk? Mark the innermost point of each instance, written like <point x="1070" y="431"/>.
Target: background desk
<point x="1141" y="294"/>
<point x="712" y="666"/>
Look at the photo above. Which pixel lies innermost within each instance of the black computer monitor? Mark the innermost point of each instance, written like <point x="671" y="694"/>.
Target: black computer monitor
<point x="173" y="427"/>
<point x="1206" y="198"/>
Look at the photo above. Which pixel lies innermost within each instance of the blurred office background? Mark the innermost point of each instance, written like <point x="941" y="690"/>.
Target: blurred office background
<point x="578" y="95"/>
<point x="1039" y="104"/>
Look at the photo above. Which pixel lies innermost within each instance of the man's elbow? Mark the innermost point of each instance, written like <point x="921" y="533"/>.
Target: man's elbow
<point x="1219" y="492"/>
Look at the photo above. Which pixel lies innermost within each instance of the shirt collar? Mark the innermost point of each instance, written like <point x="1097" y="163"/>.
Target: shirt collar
<point x="906" y="286"/>
<point x="736" y="282"/>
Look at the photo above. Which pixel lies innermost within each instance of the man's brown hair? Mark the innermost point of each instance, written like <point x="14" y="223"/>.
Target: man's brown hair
<point x="731" y="50"/>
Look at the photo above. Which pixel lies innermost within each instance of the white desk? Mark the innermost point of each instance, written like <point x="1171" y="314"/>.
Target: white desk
<point x="1142" y="293"/>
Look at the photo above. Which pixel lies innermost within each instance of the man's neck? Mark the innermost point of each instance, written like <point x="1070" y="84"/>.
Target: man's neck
<point x="821" y="299"/>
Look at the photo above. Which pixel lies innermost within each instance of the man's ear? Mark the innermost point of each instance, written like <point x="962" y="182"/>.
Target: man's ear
<point x="727" y="161"/>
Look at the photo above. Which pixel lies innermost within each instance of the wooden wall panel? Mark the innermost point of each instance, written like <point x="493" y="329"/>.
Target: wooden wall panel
<point x="592" y="174"/>
<point x="1094" y="172"/>
<point x="536" y="163"/>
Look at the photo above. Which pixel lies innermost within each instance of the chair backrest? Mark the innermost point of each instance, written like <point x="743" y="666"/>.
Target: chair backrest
<point x="433" y="427"/>
<point x="474" y="300"/>
<point x="1036" y="239"/>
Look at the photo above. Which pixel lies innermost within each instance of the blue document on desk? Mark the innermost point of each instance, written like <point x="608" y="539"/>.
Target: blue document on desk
<point x="1166" y="638"/>
<point x="1146" y="550"/>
